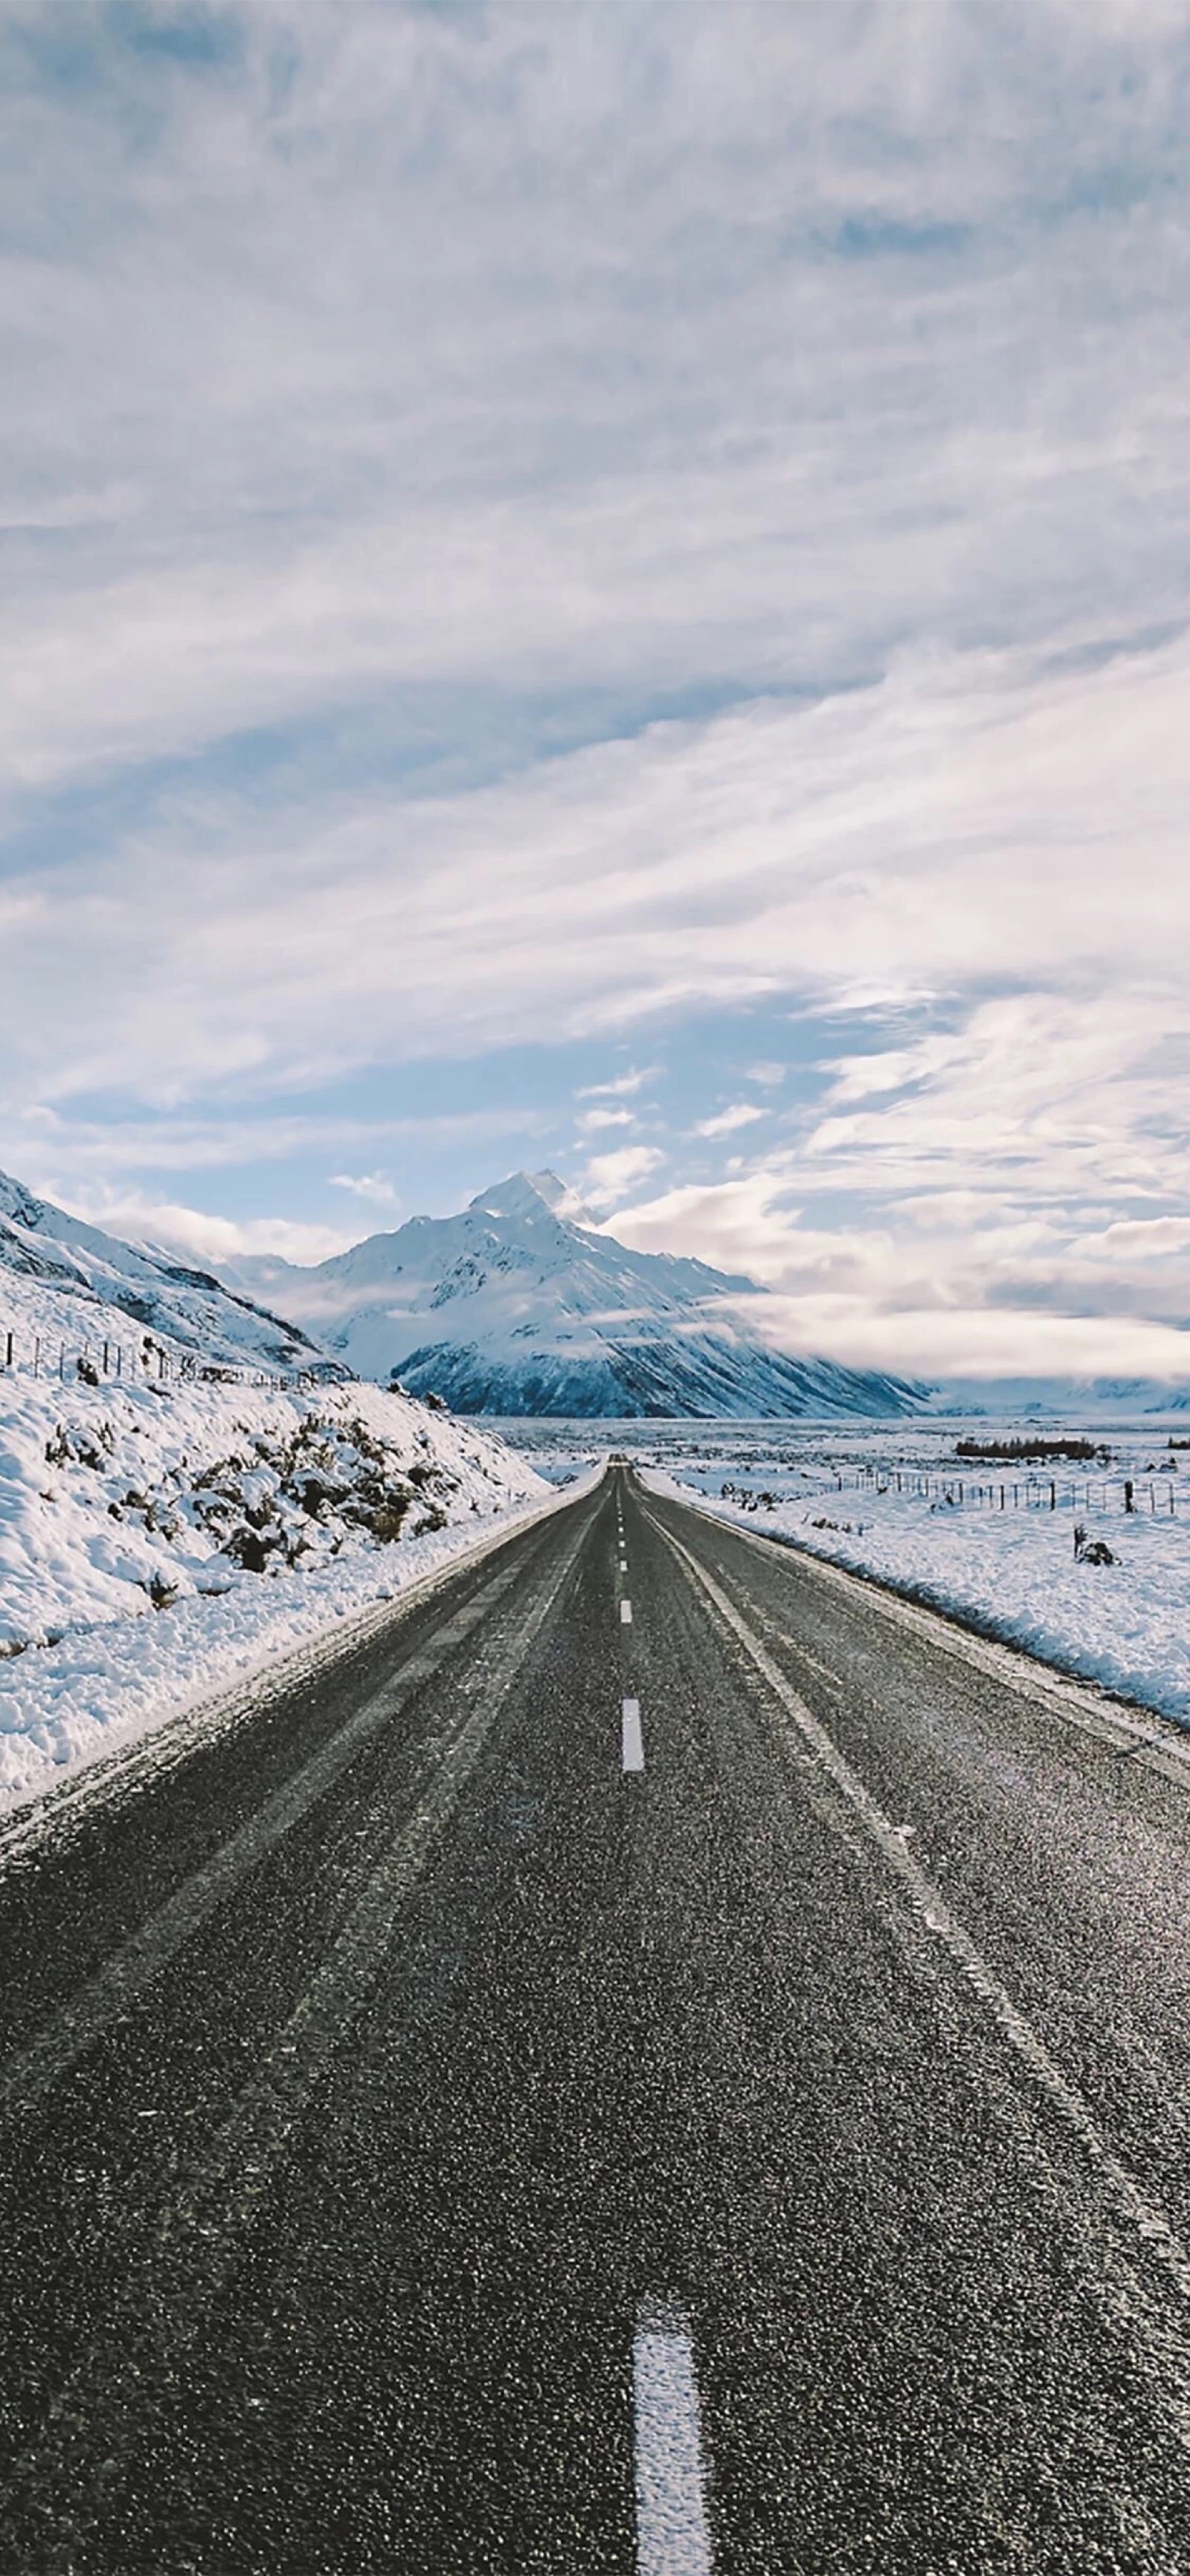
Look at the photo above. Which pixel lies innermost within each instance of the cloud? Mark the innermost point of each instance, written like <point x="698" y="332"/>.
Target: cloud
<point x="622" y="1087"/>
<point x="206" y="1238"/>
<point x="767" y="1074"/>
<point x="375" y="1188"/>
<point x="727" y="1121"/>
<point x="593" y="1120"/>
<point x="1154" y="1237"/>
<point x="952" y="825"/>
<point x="973" y="1343"/>
<point x="608" y="1176"/>
<point x="61" y="1154"/>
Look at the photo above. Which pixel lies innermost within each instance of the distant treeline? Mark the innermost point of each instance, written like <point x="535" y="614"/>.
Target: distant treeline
<point x="1031" y="1453"/>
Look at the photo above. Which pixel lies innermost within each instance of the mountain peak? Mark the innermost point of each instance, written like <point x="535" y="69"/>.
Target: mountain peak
<point x="524" y="1304"/>
<point x="527" y="1194"/>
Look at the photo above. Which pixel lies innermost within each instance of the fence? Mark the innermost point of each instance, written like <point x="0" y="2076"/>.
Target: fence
<point x="1022" y="1493"/>
<point x="148" y="1362"/>
<point x="964" y="1493"/>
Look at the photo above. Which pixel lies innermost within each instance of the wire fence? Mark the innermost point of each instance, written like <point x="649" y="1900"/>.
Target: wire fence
<point x="1031" y="1493"/>
<point x="147" y="1362"/>
<point x="1155" y="1494"/>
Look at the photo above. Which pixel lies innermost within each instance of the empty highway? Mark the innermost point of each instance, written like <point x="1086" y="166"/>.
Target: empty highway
<point x="656" y="2059"/>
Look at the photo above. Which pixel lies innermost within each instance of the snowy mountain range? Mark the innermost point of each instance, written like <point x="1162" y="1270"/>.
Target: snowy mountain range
<point x="61" y="1279"/>
<point x="520" y="1305"/>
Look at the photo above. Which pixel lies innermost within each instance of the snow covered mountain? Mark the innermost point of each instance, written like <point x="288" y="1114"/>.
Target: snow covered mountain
<point x="521" y="1306"/>
<point x="63" y="1281"/>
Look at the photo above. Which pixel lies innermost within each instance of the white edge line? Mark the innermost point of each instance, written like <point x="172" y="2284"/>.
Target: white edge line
<point x="1142" y="2213"/>
<point x="1158" y="1742"/>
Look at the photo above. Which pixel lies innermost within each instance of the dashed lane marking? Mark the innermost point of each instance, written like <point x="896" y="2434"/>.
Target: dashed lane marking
<point x="625" y="1614"/>
<point x="631" y="1740"/>
<point x="672" y="2536"/>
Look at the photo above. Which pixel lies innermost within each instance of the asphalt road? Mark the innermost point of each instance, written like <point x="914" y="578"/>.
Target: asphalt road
<point x="563" y="2090"/>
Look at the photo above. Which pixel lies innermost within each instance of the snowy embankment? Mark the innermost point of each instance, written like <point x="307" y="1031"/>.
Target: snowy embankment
<point x="156" y="1544"/>
<point x="1125" y="1625"/>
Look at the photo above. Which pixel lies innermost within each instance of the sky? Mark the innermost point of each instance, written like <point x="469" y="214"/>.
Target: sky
<point x="608" y="587"/>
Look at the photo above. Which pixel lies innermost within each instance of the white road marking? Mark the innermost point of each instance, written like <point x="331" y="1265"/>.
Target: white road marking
<point x="1132" y="2201"/>
<point x="672" y="2538"/>
<point x="625" y="1614"/>
<point x="632" y="1742"/>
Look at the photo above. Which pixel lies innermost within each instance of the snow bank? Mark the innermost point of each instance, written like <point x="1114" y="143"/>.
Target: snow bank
<point x="156" y="1544"/>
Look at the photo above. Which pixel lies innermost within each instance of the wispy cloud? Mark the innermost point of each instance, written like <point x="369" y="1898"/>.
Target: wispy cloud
<point x="621" y="1087"/>
<point x="726" y="1122"/>
<point x="608" y="1176"/>
<point x="594" y="1121"/>
<point x="374" y="1188"/>
<point x="214" y="1239"/>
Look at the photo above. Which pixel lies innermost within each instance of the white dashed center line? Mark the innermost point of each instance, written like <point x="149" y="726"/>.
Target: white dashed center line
<point x="631" y="1740"/>
<point x="625" y="1614"/>
<point x="672" y="2538"/>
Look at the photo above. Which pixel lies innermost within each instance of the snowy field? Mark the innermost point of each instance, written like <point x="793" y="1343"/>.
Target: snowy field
<point x="991" y="1541"/>
<point x="157" y="1543"/>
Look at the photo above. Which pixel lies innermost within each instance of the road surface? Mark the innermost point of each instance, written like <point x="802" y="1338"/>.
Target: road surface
<point x="660" y="2061"/>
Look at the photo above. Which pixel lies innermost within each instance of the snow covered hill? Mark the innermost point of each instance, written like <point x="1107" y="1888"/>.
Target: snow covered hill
<point x="160" y="1539"/>
<point x="200" y="1493"/>
<point x="520" y="1305"/>
<point x="118" y="1500"/>
<point x="63" y="1283"/>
